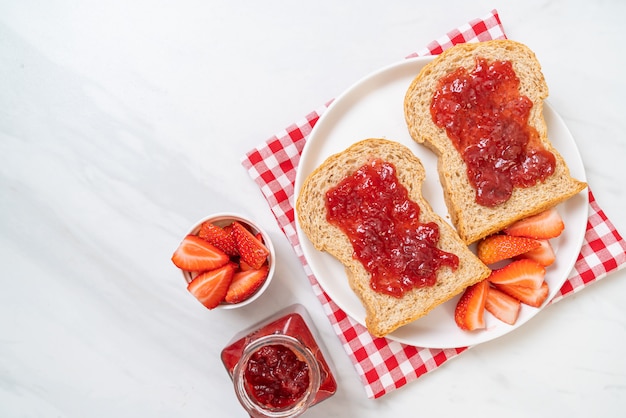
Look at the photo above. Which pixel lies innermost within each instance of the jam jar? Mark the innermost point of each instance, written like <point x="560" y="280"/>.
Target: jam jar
<point x="277" y="366"/>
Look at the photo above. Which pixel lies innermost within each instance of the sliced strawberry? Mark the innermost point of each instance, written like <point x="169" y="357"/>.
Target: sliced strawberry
<point x="545" y="225"/>
<point x="246" y="283"/>
<point x="251" y="250"/>
<point x="496" y="248"/>
<point x="210" y="287"/>
<point x="219" y="237"/>
<point x="544" y="254"/>
<point x="504" y="307"/>
<point x="527" y="295"/>
<point x="243" y="266"/>
<point x="196" y="254"/>
<point x="470" y="309"/>
<point x="525" y="272"/>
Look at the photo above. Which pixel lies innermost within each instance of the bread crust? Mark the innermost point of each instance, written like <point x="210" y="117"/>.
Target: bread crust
<point x="473" y="221"/>
<point x="384" y="313"/>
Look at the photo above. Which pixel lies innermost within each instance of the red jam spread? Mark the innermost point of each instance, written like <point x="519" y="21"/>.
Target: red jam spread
<point x="487" y="120"/>
<point x="374" y="210"/>
<point x="291" y="322"/>
<point x="276" y="377"/>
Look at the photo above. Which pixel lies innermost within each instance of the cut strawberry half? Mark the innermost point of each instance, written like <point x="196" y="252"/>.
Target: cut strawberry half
<point x="470" y="309"/>
<point x="243" y="266"/>
<point x="545" y="225"/>
<point x="210" y="287"/>
<point x="504" y="307"/>
<point x="524" y="272"/>
<point x="219" y="237"/>
<point x="251" y="250"/>
<point x="196" y="254"/>
<point x="527" y="295"/>
<point x="544" y="254"/>
<point x="496" y="248"/>
<point x="246" y="283"/>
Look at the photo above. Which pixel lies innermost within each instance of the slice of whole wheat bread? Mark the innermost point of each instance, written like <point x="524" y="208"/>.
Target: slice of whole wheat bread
<point x="384" y="313"/>
<point x="472" y="220"/>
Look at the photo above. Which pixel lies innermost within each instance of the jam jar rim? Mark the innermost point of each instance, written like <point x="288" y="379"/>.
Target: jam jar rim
<point x="302" y="352"/>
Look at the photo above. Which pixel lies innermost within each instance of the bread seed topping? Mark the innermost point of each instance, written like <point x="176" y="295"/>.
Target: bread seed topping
<point x="374" y="210"/>
<point x="486" y="118"/>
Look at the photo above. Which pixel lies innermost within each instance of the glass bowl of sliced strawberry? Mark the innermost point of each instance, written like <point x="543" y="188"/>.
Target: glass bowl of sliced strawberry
<point x="227" y="261"/>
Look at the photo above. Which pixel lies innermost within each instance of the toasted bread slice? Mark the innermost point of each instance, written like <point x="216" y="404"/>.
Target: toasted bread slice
<point x="384" y="313"/>
<point x="472" y="220"/>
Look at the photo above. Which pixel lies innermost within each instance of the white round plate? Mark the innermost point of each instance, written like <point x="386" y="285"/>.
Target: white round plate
<point x="373" y="108"/>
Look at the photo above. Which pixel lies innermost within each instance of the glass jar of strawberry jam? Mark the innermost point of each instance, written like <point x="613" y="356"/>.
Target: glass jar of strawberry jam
<point x="277" y="366"/>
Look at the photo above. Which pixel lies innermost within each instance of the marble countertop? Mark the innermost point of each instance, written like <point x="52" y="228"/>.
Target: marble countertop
<point x="122" y="123"/>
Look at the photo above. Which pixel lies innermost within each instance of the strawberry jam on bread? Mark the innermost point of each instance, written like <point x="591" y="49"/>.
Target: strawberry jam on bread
<point x="384" y="312"/>
<point x="373" y="209"/>
<point x="498" y="165"/>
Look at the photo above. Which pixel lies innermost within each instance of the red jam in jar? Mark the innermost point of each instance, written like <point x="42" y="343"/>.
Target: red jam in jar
<point x="275" y="376"/>
<point x="374" y="210"/>
<point x="486" y="118"/>
<point x="277" y="366"/>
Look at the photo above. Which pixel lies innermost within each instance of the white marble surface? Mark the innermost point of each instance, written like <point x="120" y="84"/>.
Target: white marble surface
<point x="122" y="122"/>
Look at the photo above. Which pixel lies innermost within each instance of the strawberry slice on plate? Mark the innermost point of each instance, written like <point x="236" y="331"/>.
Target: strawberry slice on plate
<point x="210" y="287"/>
<point x="245" y="283"/>
<point x="545" y="225"/>
<point x="469" y="313"/>
<point x="496" y="248"/>
<point x="504" y="307"/>
<point x="220" y="237"/>
<point x="544" y="254"/>
<point x="524" y="272"/>
<point x="527" y="295"/>
<point x="251" y="250"/>
<point x="196" y="254"/>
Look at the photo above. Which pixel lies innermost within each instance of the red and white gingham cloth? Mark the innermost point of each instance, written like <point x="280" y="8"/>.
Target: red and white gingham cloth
<point x="383" y="364"/>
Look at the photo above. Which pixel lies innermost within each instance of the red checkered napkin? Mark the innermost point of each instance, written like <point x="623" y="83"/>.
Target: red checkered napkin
<point x="382" y="364"/>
